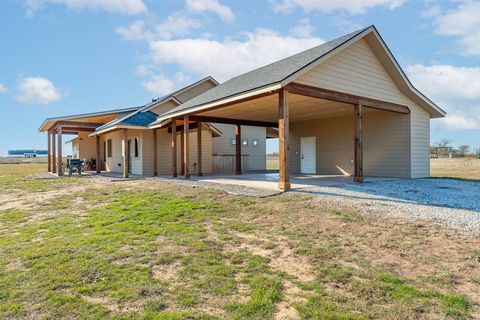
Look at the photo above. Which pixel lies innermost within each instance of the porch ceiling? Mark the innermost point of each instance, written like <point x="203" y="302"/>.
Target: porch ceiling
<point x="301" y="108"/>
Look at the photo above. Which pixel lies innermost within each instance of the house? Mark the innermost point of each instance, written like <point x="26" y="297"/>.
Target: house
<point x="343" y="107"/>
<point x="100" y="136"/>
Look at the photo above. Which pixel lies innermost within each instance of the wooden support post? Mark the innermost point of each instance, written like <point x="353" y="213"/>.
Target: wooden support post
<point x="358" y="162"/>
<point x="238" y="149"/>
<point x="182" y="150"/>
<point x="283" y="134"/>
<point x="54" y="151"/>
<point x="49" y="153"/>
<point x="174" y="147"/>
<point x="97" y="160"/>
<point x="126" y="153"/>
<point x="155" y="147"/>
<point x="199" y="149"/>
<point x="186" y="147"/>
<point x="59" y="148"/>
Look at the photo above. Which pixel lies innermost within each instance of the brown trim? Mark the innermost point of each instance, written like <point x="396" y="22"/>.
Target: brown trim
<point x="49" y="152"/>
<point x="97" y="161"/>
<point x="283" y="135"/>
<point x="186" y="149"/>
<point x="320" y="93"/>
<point x="358" y="154"/>
<point x="174" y="147"/>
<point x="78" y="124"/>
<point x="238" y="149"/>
<point x="76" y="129"/>
<point x="54" y="156"/>
<point x="199" y="150"/>
<point x="155" y="151"/>
<point x="252" y="123"/>
<point x="126" y="153"/>
<point x="59" y="148"/>
<point x="182" y="151"/>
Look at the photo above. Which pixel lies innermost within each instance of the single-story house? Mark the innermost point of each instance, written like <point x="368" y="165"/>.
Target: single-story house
<point x="343" y="107"/>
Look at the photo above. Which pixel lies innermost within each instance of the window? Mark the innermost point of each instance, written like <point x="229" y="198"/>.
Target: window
<point x="136" y="148"/>
<point x="234" y="141"/>
<point x="255" y="142"/>
<point x="109" y="148"/>
<point x="245" y="142"/>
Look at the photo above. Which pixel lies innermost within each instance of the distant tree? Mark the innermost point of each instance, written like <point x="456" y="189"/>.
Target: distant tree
<point x="463" y="150"/>
<point x="477" y="153"/>
<point x="444" y="143"/>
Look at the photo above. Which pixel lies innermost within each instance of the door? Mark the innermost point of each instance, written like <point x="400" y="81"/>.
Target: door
<point x="308" y="155"/>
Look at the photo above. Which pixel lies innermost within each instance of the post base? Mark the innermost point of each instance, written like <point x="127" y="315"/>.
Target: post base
<point x="358" y="179"/>
<point x="284" y="185"/>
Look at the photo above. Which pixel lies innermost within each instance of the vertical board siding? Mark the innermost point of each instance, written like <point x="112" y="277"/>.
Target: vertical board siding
<point x="385" y="144"/>
<point x="257" y="155"/>
<point x="356" y="70"/>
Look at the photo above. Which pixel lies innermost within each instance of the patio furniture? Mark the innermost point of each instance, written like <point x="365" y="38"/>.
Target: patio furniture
<point x="74" y="165"/>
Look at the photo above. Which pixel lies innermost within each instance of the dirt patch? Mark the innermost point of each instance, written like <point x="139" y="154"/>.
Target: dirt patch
<point x="167" y="272"/>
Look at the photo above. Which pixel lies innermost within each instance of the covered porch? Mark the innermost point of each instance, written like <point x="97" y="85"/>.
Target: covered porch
<point x="335" y="119"/>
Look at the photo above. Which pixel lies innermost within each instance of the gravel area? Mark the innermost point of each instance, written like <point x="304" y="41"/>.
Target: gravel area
<point x="449" y="202"/>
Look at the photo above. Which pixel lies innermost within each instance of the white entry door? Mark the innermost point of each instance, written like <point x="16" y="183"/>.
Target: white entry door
<point x="308" y="155"/>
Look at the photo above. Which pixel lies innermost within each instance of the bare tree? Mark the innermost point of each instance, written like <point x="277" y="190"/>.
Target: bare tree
<point x="463" y="150"/>
<point x="444" y="143"/>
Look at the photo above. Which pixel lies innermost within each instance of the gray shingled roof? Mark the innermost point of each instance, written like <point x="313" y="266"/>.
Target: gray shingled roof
<point x="262" y="77"/>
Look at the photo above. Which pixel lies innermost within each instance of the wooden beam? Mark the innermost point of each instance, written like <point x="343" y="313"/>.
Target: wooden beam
<point x="174" y="147"/>
<point x="186" y="155"/>
<point x="126" y="153"/>
<point x="238" y="149"/>
<point x="54" y="161"/>
<point x="155" y="151"/>
<point x="97" y="160"/>
<point x="283" y="135"/>
<point x="77" y="129"/>
<point x="199" y="150"/>
<point x="306" y="90"/>
<point x="182" y="151"/>
<point x="252" y="123"/>
<point x="49" y="153"/>
<point x="358" y="161"/>
<point x="59" y="148"/>
<point x="78" y="124"/>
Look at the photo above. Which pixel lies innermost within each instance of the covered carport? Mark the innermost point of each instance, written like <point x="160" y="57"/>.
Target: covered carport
<point x="349" y="96"/>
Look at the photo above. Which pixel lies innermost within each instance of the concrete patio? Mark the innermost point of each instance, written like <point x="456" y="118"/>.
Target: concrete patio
<point x="270" y="180"/>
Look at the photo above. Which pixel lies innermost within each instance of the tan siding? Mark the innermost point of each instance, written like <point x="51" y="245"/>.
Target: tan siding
<point x="256" y="155"/>
<point x="164" y="107"/>
<point x="385" y="144"/>
<point x="194" y="91"/>
<point x="357" y="70"/>
<point x="165" y="152"/>
<point x="147" y="152"/>
<point x="87" y="147"/>
<point x="115" y="163"/>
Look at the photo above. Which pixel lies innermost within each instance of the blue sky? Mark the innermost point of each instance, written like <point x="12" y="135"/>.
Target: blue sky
<point x="59" y="57"/>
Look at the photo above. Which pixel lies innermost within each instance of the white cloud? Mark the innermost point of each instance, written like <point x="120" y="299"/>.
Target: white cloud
<point x="462" y="22"/>
<point x="177" y="24"/>
<point x="129" y="7"/>
<point x="350" y="6"/>
<point x="303" y="29"/>
<point x="162" y="85"/>
<point x="456" y="89"/>
<point x="2" y="88"/>
<point x="223" y="11"/>
<point x="227" y="58"/>
<point x="37" y="90"/>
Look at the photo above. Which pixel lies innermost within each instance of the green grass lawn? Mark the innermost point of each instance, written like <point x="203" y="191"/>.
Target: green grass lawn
<point x="150" y="250"/>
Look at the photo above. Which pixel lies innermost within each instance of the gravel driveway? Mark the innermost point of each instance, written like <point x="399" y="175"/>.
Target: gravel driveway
<point x="449" y="202"/>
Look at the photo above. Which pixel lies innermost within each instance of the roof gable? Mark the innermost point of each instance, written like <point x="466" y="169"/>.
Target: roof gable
<point x="289" y="69"/>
